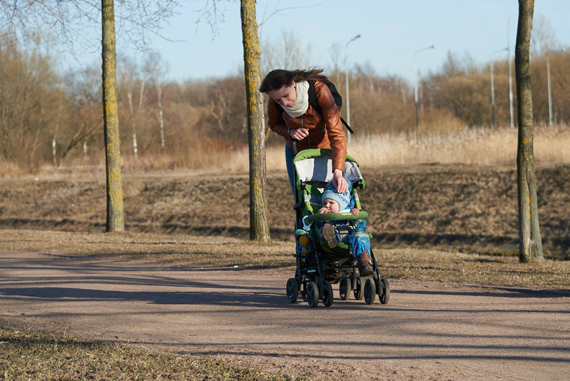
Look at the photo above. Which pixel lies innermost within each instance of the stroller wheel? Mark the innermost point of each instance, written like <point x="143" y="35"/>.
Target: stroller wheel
<point x="312" y="294"/>
<point x="369" y="291"/>
<point x="327" y="294"/>
<point x="292" y="290"/>
<point x="358" y="291"/>
<point x="385" y="298"/>
<point x="344" y="289"/>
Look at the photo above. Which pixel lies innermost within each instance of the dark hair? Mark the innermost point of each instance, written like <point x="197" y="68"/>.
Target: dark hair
<point x="278" y="78"/>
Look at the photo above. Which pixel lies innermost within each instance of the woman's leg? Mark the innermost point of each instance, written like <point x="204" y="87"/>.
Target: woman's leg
<point x="291" y="173"/>
<point x="290" y="169"/>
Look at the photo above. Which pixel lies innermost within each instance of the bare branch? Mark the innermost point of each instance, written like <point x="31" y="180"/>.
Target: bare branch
<point x="286" y="9"/>
<point x="72" y="21"/>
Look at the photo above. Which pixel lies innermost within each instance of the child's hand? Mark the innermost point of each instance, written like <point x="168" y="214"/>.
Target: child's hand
<point x="355" y="211"/>
<point x="324" y="210"/>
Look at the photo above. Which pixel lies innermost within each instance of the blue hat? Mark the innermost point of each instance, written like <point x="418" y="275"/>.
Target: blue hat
<point x="343" y="199"/>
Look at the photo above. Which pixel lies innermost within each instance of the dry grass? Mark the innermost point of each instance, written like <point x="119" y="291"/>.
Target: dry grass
<point x="11" y="170"/>
<point x="170" y="248"/>
<point x="470" y="146"/>
<point x="473" y="269"/>
<point x="482" y="146"/>
<point x="38" y="356"/>
<point x="419" y="264"/>
<point x="442" y="143"/>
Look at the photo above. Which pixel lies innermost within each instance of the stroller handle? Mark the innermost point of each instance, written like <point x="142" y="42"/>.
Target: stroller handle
<point x="345" y="215"/>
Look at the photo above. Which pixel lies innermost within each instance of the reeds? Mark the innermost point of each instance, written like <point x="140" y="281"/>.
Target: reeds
<point x="470" y="146"/>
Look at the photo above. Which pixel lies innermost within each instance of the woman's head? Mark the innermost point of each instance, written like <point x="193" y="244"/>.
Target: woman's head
<point x="280" y="84"/>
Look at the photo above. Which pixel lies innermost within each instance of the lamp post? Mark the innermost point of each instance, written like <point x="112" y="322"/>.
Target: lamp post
<point x="510" y="70"/>
<point x="493" y="84"/>
<point x="347" y="92"/>
<point x="416" y="90"/>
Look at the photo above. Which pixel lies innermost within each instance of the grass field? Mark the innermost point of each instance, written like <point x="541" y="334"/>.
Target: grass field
<point x="444" y="207"/>
<point x="452" y="222"/>
<point x="402" y="263"/>
<point x="38" y="356"/>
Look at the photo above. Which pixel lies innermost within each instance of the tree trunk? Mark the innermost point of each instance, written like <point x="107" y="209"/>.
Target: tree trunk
<point x="529" y="231"/>
<point x="115" y="216"/>
<point x="259" y="229"/>
<point x="160" y="112"/>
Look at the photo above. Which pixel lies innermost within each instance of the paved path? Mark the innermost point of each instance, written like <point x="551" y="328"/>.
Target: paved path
<point x="428" y="330"/>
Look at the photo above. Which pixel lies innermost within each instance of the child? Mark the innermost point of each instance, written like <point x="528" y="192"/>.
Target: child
<point x="358" y="238"/>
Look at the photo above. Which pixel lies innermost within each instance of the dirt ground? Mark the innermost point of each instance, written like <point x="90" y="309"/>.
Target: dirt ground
<point x="427" y="331"/>
<point x="465" y="208"/>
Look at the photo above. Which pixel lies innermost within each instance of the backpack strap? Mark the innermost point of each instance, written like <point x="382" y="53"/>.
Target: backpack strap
<point x="313" y="97"/>
<point x="315" y="104"/>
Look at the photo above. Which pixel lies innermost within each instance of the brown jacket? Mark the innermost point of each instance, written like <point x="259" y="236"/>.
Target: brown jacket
<point x="325" y="129"/>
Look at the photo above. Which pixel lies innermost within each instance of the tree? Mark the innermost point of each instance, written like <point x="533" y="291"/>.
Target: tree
<point x="543" y="39"/>
<point x="286" y="52"/>
<point x="85" y="104"/>
<point x="28" y="101"/>
<point x="70" y="20"/>
<point x="129" y="78"/>
<point x="259" y="229"/>
<point x="530" y="246"/>
<point x="156" y="69"/>
<point x="115" y="214"/>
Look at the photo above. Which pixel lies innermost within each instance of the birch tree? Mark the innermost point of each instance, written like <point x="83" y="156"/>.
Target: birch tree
<point x="156" y="68"/>
<point x="530" y="247"/>
<point x="130" y="79"/>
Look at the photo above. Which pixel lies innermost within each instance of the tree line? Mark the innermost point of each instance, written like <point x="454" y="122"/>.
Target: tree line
<point x="27" y="115"/>
<point x="51" y="117"/>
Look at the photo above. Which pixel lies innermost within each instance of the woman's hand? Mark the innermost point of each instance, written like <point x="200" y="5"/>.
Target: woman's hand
<point x="339" y="181"/>
<point x="299" y="133"/>
<point x="355" y="211"/>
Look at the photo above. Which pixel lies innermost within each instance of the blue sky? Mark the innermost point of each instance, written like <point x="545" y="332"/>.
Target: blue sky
<point x="391" y="32"/>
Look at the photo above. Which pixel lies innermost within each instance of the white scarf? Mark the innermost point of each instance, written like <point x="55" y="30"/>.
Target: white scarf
<point x="301" y="103"/>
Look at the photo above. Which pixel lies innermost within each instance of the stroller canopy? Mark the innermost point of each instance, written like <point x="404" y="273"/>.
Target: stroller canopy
<point x="315" y="166"/>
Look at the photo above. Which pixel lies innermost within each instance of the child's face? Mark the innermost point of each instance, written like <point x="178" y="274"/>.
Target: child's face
<point x="331" y="205"/>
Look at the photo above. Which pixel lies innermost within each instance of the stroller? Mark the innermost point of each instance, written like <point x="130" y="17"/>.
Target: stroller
<point x="318" y="266"/>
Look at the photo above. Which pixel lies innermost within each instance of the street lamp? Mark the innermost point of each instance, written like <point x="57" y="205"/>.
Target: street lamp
<point x="551" y="122"/>
<point x="416" y="89"/>
<point x="510" y="69"/>
<point x="347" y="92"/>
<point x="493" y="83"/>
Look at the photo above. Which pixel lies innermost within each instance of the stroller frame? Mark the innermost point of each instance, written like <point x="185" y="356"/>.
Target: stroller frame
<point x="317" y="265"/>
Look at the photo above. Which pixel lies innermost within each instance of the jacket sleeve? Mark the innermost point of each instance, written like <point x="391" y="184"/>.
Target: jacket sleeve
<point x="275" y="120"/>
<point x="331" y="114"/>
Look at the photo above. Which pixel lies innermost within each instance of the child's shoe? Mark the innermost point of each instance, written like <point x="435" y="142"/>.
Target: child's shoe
<point x="365" y="265"/>
<point x="328" y="234"/>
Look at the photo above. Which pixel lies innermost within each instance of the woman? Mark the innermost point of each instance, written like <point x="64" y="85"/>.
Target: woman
<point x="298" y="120"/>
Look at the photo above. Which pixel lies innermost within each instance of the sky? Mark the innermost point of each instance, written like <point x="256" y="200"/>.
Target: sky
<point x="391" y="33"/>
